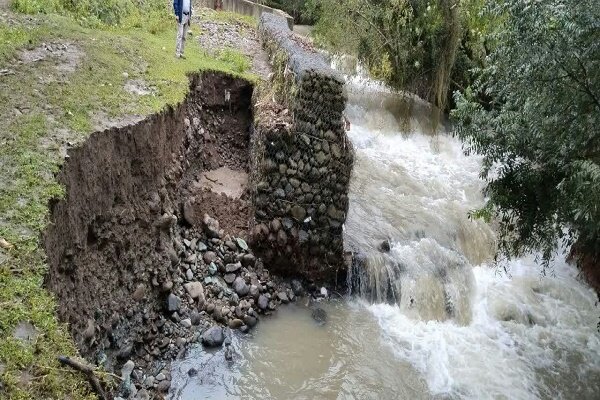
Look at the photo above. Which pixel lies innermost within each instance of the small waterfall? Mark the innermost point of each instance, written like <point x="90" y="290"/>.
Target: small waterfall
<point x="411" y="186"/>
<point x="375" y="279"/>
<point x="425" y="280"/>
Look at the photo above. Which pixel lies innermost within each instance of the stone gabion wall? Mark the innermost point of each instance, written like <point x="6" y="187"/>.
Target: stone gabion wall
<point x="301" y="159"/>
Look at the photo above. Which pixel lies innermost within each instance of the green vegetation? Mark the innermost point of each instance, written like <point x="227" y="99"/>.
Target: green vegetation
<point x="299" y="9"/>
<point x="49" y="99"/>
<point x="526" y="74"/>
<point x="239" y="62"/>
<point x="97" y="12"/>
<point x="426" y="47"/>
<point x="534" y="114"/>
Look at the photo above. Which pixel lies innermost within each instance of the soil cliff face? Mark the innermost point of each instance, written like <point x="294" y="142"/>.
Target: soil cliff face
<point x="110" y="243"/>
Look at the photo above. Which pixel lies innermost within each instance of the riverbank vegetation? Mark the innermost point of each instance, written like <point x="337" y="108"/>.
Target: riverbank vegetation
<point x="67" y="69"/>
<point x="426" y="47"/>
<point x="521" y="79"/>
<point x="300" y="10"/>
<point x="533" y="112"/>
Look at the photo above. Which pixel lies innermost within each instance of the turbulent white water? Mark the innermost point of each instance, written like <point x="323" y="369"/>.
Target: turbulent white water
<point x="430" y="318"/>
<point x="511" y="337"/>
<point x="519" y="336"/>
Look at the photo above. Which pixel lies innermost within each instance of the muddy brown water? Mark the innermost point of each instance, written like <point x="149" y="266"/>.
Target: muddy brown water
<point x="290" y="356"/>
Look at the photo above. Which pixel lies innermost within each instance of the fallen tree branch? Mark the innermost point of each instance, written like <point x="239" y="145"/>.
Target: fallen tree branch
<point x="89" y="372"/>
<point x="97" y="372"/>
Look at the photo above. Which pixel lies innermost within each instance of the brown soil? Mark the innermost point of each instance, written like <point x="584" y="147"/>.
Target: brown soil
<point x="110" y="242"/>
<point x="224" y="180"/>
<point x="233" y="214"/>
<point x="224" y="120"/>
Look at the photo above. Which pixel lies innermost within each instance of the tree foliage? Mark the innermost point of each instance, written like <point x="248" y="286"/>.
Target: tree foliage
<point x="410" y="44"/>
<point x="537" y="126"/>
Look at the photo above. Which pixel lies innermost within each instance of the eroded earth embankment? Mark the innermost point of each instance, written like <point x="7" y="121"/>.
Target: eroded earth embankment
<point x="138" y="268"/>
<point x="149" y="249"/>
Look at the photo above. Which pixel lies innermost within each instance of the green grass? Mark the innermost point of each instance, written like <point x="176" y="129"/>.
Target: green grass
<point x="230" y="17"/>
<point x="239" y="62"/>
<point x="16" y="37"/>
<point x="40" y="110"/>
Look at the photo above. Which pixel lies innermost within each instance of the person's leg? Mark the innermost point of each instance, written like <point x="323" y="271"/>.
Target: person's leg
<point x="184" y="22"/>
<point x="180" y="38"/>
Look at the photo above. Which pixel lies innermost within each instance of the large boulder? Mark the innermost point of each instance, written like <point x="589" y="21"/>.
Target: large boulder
<point x="194" y="289"/>
<point x="213" y="337"/>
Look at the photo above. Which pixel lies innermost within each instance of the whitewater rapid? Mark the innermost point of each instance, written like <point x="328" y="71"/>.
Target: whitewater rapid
<point x="517" y="334"/>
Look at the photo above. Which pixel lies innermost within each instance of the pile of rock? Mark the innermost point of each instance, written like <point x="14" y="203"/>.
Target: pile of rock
<point x="215" y="284"/>
<point x="300" y="179"/>
<point x="221" y="278"/>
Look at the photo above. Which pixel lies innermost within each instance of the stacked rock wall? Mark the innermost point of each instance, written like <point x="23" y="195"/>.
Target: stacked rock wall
<point x="301" y="159"/>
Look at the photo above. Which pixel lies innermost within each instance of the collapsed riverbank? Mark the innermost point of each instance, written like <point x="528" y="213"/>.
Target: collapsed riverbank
<point x="148" y="251"/>
<point x="59" y="82"/>
<point x="147" y="243"/>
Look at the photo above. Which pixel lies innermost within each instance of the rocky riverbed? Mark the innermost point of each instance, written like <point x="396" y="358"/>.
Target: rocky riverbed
<point x="215" y="285"/>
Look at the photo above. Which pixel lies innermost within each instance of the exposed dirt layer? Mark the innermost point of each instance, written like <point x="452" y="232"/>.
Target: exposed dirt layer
<point x="232" y="213"/>
<point x="115" y="244"/>
<point x="221" y="122"/>
<point x="224" y="180"/>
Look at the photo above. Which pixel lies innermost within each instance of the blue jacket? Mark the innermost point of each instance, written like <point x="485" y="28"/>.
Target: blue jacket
<point x="178" y="8"/>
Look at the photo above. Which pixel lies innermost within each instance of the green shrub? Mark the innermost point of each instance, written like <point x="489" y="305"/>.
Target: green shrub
<point x="97" y="12"/>
<point x="411" y="45"/>
<point x="534" y="114"/>
<point x="237" y="60"/>
<point x="37" y="6"/>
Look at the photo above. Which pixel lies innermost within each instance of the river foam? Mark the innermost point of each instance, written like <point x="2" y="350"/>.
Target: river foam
<point x="516" y="334"/>
<point x="530" y="337"/>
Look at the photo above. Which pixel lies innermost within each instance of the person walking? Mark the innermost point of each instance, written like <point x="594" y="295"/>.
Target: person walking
<point x="183" y="12"/>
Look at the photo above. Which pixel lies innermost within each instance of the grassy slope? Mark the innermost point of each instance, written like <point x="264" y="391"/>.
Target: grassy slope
<point x="41" y="110"/>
